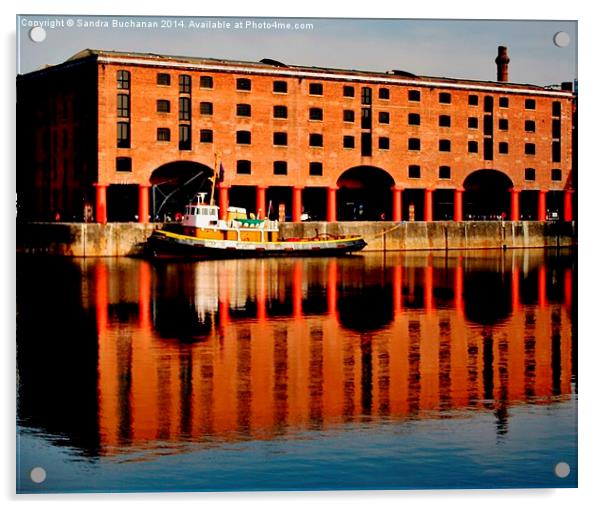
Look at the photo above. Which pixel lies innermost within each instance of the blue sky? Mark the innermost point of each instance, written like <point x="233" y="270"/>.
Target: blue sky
<point x="460" y="49"/>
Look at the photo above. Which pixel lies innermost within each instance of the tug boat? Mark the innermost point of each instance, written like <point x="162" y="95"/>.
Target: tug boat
<point x="201" y="234"/>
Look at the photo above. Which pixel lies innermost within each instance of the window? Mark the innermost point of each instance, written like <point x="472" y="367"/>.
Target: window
<point x="556" y="109"/>
<point x="123" y="164"/>
<point x="206" y="82"/>
<point x="503" y="147"/>
<point x="473" y="123"/>
<point x="348" y="116"/>
<point x="473" y="100"/>
<point x="206" y="108"/>
<point x="163" y="79"/>
<point x="123" y="80"/>
<point x="280" y="87"/>
<point x="473" y="147"/>
<point x="366" y="95"/>
<point x="414" y="144"/>
<point x="280" y="139"/>
<point x="243" y="110"/>
<point x="316" y="140"/>
<point x="316" y="114"/>
<point x="444" y="98"/>
<point x="444" y="121"/>
<point x="444" y="172"/>
<point x="123" y="135"/>
<point x="348" y="91"/>
<point x="123" y="105"/>
<point x="243" y="137"/>
<point x="366" y="118"/>
<point x="185" y="83"/>
<point x="184" y="103"/>
<point x="503" y="124"/>
<point x="414" y="95"/>
<point x="530" y="149"/>
<point x="280" y="168"/>
<point x="444" y="145"/>
<point x="383" y="117"/>
<point x="243" y="167"/>
<point x="383" y="93"/>
<point x="243" y="84"/>
<point x="488" y="107"/>
<point x="280" y="112"/>
<point x="163" y="106"/>
<point x="503" y="102"/>
<point x="316" y="169"/>
<point x="163" y="134"/>
<point x="185" y="142"/>
<point x="556" y="128"/>
<point x="556" y="151"/>
<point x="529" y="104"/>
<point x="414" y="171"/>
<point x="206" y="136"/>
<point x="348" y="141"/>
<point x="530" y="126"/>
<point x="414" y="119"/>
<point x="529" y="173"/>
<point x="556" y="175"/>
<point x="316" y="89"/>
<point x="383" y="143"/>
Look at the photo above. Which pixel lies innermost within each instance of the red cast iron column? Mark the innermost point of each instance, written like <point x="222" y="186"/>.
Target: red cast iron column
<point x="397" y="205"/>
<point x="101" y="203"/>
<point x="143" y="203"/>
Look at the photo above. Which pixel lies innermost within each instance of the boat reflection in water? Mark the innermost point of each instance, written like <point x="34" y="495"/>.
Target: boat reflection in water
<point x="121" y="358"/>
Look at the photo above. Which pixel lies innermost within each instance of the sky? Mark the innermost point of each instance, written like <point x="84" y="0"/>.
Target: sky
<point x="447" y="48"/>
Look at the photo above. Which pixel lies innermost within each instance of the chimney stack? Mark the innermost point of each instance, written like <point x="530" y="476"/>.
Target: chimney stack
<point x="502" y="62"/>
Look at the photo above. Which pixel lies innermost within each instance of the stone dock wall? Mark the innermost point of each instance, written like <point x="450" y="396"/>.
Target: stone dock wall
<point x="126" y="239"/>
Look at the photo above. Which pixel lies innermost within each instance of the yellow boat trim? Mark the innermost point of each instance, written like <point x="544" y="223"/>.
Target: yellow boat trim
<point x="279" y="242"/>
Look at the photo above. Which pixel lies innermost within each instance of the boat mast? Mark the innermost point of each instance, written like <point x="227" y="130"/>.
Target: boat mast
<point x="214" y="179"/>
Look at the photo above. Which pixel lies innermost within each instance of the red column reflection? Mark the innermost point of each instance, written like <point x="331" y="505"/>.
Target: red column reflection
<point x="144" y="291"/>
<point x="541" y="286"/>
<point x="298" y="290"/>
<point x="331" y="288"/>
<point x="459" y="285"/>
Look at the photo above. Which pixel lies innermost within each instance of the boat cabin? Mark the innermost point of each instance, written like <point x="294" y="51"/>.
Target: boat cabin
<point x="200" y="214"/>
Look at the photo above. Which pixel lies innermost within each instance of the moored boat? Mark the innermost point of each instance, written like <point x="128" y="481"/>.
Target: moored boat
<point x="202" y="234"/>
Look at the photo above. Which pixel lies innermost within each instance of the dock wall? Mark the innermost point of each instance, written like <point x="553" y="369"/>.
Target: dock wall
<point x="126" y="239"/>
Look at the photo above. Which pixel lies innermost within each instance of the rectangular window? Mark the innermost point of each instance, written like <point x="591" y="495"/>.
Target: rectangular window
<point x="383" y="117"/>
<point x="123" y="105"/>
<point x="383" y="143"/>
<point x="444" y="98"/>
<point x="556" y="175"/>
<point x="243" y="137"/>
<point x="316" y="114"/>
<point x="348" y="116"/>
<point x="280" y="112"/>
<point x="348" y="91"/>
<point x="206" y="108"/>
<point x="556" y="109"/>
<point x="414" y="119"/>
<point x="348" y="141"/>
<point x="123" y="164"/>
<point x="366" y="118"/>
<point x="316" y="169"/>
<point x="414" y="171"/>
<point x="488" y="125"/>
<point x="503" y="124"/>
<point x="206" y="136"/>
<point x="556" y="128"/>
<point x="414" y="95"/>
<point x="473" y="123"/>
<point x="163" y="79"/>
<point x="163" y="106"/>
<point x="530" y="149"/>
<point x="473" y="147"/>
<point x="530" y="126"/>
<point x="504" y="102"/>
<point x="383" y="93"/>
<point x="280" y="168"/>
<point x="316" y="140"/>
<point x="163" y="134"/>
<point x="280" y="139"/>
<point x="488" y="104"/>
<point x="184" y="112"/>
<point x="243" y="167"/>
<point x="556" y="151"/>
<point x="123" y="135"/>
<point x="280" y="87"/>
<point x="473" y="100"/>
<point x="529" y="173"/>
<point x="316" y="89"/>
<point x="206" y="82"/>
<point x="444" y="172"/>
<point x="444" y="121"/>
<point x="366" y="95"/>
<point x="123" y="80"/>
<point x="366" y="144"/>
<point x="503" y="147"/>
<point x="243" y="84"/>
<point x="529" y="104"/>
<point x="444" y="145"/>
<point x="414" y="144"/>
<point x="243" y="110"/>
<point x="185" y="141"/>
<point x="185" y="84"/>
<point x="488" y="149"/>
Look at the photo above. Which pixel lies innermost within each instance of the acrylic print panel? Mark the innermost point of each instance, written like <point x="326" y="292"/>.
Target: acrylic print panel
<point x="440" y="355"/>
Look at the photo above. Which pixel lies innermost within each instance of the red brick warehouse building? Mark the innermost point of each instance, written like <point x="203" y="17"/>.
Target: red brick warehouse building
<point x="135" y="136"/>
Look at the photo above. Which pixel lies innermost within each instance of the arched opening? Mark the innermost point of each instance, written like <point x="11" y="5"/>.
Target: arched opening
<point x="175" y="184"/>
<point x="365" y="194"/>
<point x="487" y="195"/>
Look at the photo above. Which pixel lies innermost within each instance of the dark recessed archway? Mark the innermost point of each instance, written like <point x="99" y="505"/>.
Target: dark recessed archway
<point x="364" y="194"/>
<point x="487" y="195"/>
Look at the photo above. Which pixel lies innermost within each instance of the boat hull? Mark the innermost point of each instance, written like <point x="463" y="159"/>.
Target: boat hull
<point x="165" y="244"/>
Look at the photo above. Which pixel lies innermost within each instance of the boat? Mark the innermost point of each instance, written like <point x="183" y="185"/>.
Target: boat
<point x="202" y="234"/>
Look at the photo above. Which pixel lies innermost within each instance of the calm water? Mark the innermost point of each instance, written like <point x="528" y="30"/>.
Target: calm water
<point x="367" y="372"/>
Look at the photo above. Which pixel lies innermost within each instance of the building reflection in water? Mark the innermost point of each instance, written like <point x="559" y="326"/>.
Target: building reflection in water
<point x="239" y="349"/>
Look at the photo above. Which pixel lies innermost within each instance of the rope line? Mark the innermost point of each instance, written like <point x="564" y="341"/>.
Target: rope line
<point x="384" y="232"/>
